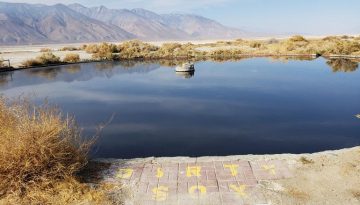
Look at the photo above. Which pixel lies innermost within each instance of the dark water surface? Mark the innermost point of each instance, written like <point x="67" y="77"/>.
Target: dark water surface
<point x="252" y="106"/>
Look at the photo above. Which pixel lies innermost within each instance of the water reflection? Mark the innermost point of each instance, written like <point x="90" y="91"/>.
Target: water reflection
<point x="238" y="107"/>
<point x="286" y="59"/>
<point x="186" y="75"/>
<point x="343" y="65"/>
<point x="87" y="71"/>
<point x="49" y="73"/>
<point x="5" y="78"/>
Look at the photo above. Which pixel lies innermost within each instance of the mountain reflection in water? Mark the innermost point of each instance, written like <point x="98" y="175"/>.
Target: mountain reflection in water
<point x="229" y="107"/>
<point x="72" y="72"/>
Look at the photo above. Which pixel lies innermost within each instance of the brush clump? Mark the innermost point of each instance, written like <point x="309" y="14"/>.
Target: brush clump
<point x="41" y="152"/>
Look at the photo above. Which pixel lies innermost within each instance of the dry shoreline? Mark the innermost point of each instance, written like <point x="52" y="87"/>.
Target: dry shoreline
<point x="240" y="48"/>
<point x="329" y="177"/>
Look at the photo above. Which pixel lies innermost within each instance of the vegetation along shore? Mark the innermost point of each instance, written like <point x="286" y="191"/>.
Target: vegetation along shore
<point x="332" y="46"/>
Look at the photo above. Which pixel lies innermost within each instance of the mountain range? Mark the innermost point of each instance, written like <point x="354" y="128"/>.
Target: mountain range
<point x="22" y="23"/>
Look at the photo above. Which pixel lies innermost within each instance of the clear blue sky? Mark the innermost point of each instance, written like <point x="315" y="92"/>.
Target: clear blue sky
<point x="273" y="16"/>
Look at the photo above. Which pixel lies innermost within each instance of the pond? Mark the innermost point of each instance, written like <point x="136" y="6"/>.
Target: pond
<point x="249" y="106"/>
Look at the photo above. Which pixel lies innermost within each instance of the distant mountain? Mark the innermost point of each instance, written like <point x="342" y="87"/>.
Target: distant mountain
<point x="22" y="23"/>
<point x="201" y="28"/>
<point x="142" y="26"/>
<point x="29" y="23"/>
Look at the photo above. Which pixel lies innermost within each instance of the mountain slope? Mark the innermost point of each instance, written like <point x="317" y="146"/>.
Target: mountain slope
<point x="29" y="23"/>
<point x="22" y="23"/>
<point x="145" y="27"/>
<point x="200" y="27"/>
<point x="149" y="25"/>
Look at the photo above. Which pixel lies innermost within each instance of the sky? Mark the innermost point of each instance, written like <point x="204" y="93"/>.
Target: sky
<point x="311" y="17"/>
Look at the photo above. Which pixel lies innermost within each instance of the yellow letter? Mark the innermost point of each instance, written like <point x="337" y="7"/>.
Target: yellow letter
<point x="233" y="168"/>
<point x="193" y="171"/>
<point x="159" y="173"/>
<point x="270" y="169"/>
<point x="124" y="173"/>
<point x="160" y="193"/>
<point x="199" y="188"/>
<point x="240" y="190"/>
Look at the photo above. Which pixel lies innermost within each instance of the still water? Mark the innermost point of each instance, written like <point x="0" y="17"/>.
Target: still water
<point x="251" y="106"/>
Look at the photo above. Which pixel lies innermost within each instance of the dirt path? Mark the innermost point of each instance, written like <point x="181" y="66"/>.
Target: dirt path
<point x="322" y="178"/>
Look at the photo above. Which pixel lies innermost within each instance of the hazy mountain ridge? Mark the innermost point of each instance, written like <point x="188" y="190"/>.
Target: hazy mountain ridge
<point x="22" y="23"/>
<point x="35" y="23"/>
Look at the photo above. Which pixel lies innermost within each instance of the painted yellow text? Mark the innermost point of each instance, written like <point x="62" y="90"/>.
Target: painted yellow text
<point x="193" y="171"/>
<point x="160" y="193"/>
<point x="270" y="169"/>
<point x="159" y="173"/>
<point x="240" y="190"/>
<point x="233" y="168"/>
<point x="197" y="190"/>
<point x="124" y="173"/>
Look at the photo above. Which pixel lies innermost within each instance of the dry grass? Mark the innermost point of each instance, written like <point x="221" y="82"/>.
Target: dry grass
<point x="72" y="58"/>
<point x="69" y="48"/>
<point x="104" y="51"/>
<point x="2" y="64"/>
<point x="40" y="153"/>
<point x="355" y="194"/>
<point x="296" y="45"/>
<point x="305" y="160"/>
<point x="136" y="49"/>
<point x="45" y="50"/>
<point x="298" y="194"/>
<point x="44" y="59"/>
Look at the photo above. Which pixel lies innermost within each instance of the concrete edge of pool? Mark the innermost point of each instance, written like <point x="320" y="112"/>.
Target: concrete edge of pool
<point x="243" y="179"/>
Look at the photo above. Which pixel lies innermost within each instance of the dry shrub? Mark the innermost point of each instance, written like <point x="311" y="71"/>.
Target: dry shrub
<point x="298" y="194"/>
<point x="44" y="59"/>
<point x="45" y="50"/>
<point x="68" y="191"/>
<point x="70" y="48"/>
<point x="40" y="152"/>
<point x="2" y="64"/>
<point x="92" y="48"/>
<point x="305" y="160"/>
<point x="355" y="194"/>
<point x="136" y="49"/>
<point x="295" y="43"/>
<point x="255" y="44"/>
<point x="272" y="41"/>
<point x="103" y="51"/>
<point x="176" y="50"/>
<point x="31" y="62"/>
<point x="224" y="52"/>
<point x="297" y="38"/>
<point x="72" y="58"/>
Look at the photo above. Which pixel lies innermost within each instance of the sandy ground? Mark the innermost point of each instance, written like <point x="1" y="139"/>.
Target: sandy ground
<point x="326" y="178"/>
